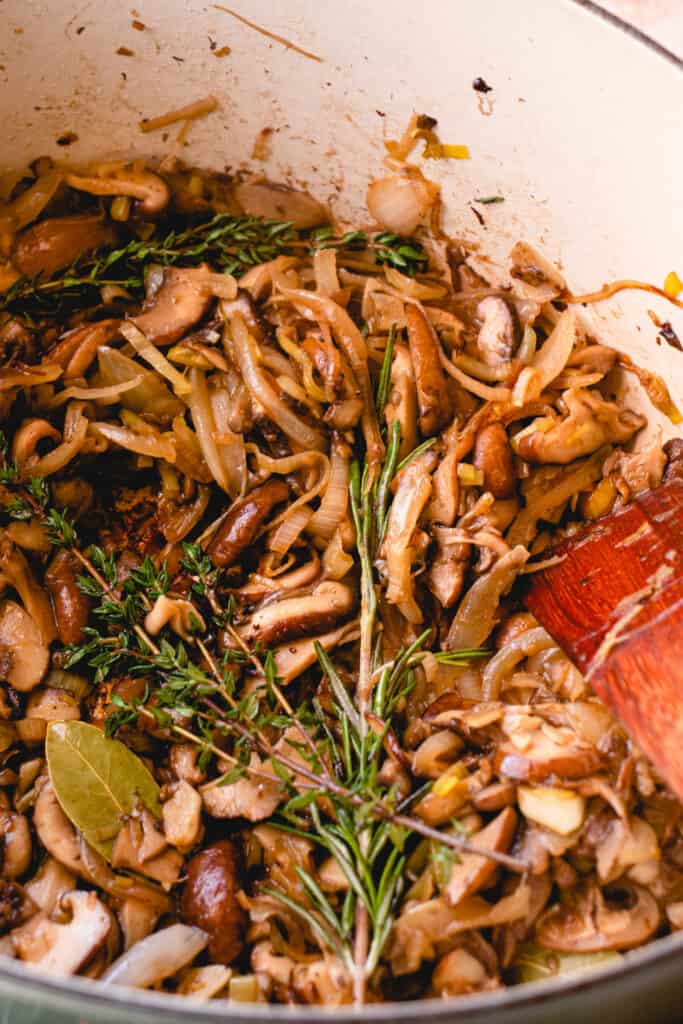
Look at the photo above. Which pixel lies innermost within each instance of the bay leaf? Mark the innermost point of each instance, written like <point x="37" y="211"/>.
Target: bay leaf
<point x="97" y="781"/>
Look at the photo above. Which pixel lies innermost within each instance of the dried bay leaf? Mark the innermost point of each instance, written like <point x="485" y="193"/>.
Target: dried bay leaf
<point x="97" y="781"/>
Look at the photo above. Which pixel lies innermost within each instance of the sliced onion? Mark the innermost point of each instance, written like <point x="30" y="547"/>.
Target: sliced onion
<point x="155" y="445"/>
<point x="412" y="494"/>
<point x="325" y="270"/>
<point x="527" y="643"/>
<point x="108" y="395"/>
<point x="189" y="459"/>
<point x="352" y="343"/>
<point x="402" y="202"/>
<point x="28" y="376"/>
<point x="548" y="362"/>
<point x="290" y="464"/>
<point x="289" y="530"/>
<point x="335" y="499"/>
<point x="336" y="562"/>
<point x="232" y="452"/>
<point x="31" y="203"/>
<point x="476" y="614"/>
<point x="498" y="394"/>
<point x="408" y="287"/>
<point x="151" y="354"/>
<point x="157" y="957"/>
<point x="262" y="390"/>
<point x="75" y="433"/>
<point x="151" y="395"/>
<point x="204" y="424"/>
<point x="178" y="525"/>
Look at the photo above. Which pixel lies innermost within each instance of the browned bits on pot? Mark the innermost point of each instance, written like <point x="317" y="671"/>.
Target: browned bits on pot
<point x="432" y="391"/>
<point x="55" y="243"/>
<point x="243" y="521"/>
<point x="70" y="604"/>
<point x="493" y="456"/>
<point x="209" y="900"/>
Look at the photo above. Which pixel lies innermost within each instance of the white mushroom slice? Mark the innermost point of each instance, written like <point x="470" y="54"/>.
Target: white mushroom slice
<point x="560" y="810"/>
<point x="251" y="797"/>
<point x="179" y="614"/>
<point x="182" y="817"/>
<point x="50" y="883"/>
<point x="627" y="844"/>
<point x="295" y="657"/>
<point x="137" y="920"/>
<point x="157" y="957"/>
<point x="496" y="339"/>
<point x="56" y="832"/>
<point x="24" y="656"/>
<point x="62" y="949"/>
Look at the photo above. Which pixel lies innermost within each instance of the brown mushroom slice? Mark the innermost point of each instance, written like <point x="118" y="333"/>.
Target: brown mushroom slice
<point x="399" y="548"/>
<point x="71" y="606"/>
<point x="16" y="843"/>
<point x="294" y="658"/>
<point x="496" y="338"/>
<point x="542" y="758"/>
<point x="57" y="242"/>
<point x="179" y="303"/>
<point x="76" y="349"/>
<point x="493" y="456"/>
<point x="62" y="949"/>
<point x="253" y="797"/>
<point x="473" y="872"/>
<point x="587" y="923"/>
<point x="239" y="528"/>
<point x="448" y="567"/>
<point x="24" y="656"/>
<point x="433" y="398"/>
<point x="590" y="423"/>
<point x="295" y="617"/>
<point x="147" y="188"/>
<point x="274" y="201"/>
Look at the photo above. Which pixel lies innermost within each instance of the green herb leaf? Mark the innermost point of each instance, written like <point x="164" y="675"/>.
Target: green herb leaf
<point x="97" y="781"/>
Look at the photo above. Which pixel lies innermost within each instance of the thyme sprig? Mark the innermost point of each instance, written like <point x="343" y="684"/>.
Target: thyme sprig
<point x="230" y="245"/>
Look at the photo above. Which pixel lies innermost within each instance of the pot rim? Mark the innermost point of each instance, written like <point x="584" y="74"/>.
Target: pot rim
<point x="87" y="996"/>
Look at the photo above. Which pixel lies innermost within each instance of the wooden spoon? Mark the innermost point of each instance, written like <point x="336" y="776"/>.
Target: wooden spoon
<point x="614" y="603"/>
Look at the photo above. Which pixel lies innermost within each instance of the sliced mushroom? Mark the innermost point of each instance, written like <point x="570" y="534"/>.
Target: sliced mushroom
<point x="182" y="817"/>
<point x="209" y="900"/>
<point x="448" y="567"/>
<point x="242" y="523"/>
<point x="401" y="406"/>
<point x="147" y="188"/>
<point x="558" y="809"/>
<point x="473" y="872"/>
<point x="56" y="832"/>
<point x="590" y="423"/>
<point x="50" y="883"/>
<point x="77" y="349"/>
<point x="15" y="851"/>
<point x="281" y="202"/>
<point x="71" y="606"/>
<point x="57" y="242"/>
<point x="673" y="450"/>
<point x="176" y="612"/>
<point x="294" y="617"/>
<point x="493" y="456"/>
<point x="180" y="301"/>
<point x="458" y="973"/>
<point x="24" y="656"/>
<point x="137" y="920"/>
<point x="585" y="922"/>
<point x="496" y="338"/>
<point x="252" y="797"/>
<point x="15" y="570"/>
<point x="536" y="756"/>
<point x="433" y="398"/>
<point x="141" y="846"/>
<point x="295" y="657"/>
<point x="63" y="949"/>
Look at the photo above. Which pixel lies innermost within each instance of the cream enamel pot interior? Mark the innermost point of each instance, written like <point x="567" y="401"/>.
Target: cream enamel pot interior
<point x="581" y="134"/>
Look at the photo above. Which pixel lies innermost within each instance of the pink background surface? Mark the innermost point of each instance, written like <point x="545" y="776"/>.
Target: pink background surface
<point x="661" y="19"/>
